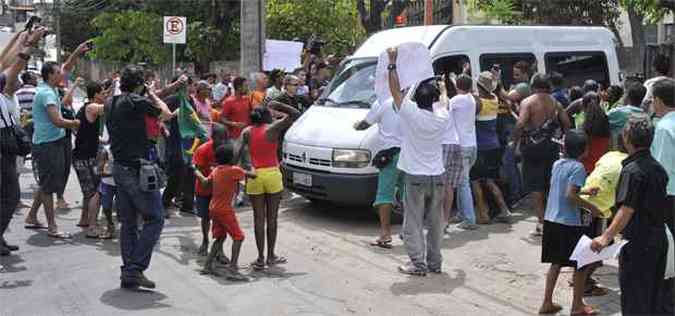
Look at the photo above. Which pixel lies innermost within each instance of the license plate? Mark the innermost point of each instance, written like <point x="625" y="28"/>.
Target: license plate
<point x="302" y="179"/>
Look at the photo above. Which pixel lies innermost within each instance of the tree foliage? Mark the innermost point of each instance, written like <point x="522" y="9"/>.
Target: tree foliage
<point x="131" y="37"/>
<point x="371" y="12"/>
<point x="334" y="21"/>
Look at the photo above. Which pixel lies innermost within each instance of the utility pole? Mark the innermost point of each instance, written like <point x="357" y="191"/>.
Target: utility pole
<point x="252" y="37"/>
<point x="57" y="16"/>
<point x="428" y="12"/>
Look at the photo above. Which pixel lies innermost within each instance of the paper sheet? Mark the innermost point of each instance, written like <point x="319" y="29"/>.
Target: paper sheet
<point x="282" y="55"/>
<point x="584" y="255"/>
<point x="670" y="261"/>
<point x="413" y="64"/>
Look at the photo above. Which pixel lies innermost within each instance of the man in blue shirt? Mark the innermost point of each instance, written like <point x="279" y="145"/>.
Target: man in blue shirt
<point x="619" y="116"/>
<point x="663" y="150"/>
<point x="49" y="145"/>
<point x="559" y="93"/>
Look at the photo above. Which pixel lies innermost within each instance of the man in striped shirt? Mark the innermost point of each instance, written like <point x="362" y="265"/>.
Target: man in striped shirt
<point x="25" y="96"/>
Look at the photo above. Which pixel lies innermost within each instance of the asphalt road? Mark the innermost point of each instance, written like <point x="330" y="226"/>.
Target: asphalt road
<point x="332" y="270"/>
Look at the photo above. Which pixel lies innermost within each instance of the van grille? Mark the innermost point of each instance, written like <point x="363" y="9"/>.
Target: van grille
<point x="296" y="158"/>
<point x="319" y="162"/>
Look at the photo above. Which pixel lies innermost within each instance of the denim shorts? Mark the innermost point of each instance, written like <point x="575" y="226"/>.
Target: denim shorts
<point x="108" y="193"/>
<point x="202" y="206"/>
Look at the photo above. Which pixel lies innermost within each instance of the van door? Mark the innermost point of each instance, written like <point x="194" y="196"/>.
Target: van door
<point x="579" y="66"/>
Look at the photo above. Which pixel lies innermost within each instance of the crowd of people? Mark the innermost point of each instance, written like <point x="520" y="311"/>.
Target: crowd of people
<point x="597" y="160"/>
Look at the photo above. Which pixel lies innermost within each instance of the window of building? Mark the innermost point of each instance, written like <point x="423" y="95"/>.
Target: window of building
<point x="577" y="67"/>
<point x="506" y="62"/>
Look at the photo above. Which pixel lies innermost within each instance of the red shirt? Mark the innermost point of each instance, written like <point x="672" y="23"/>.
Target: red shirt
<point x="152" y="128"/>
<point x="224" y="181"/>
<point x="237" y="109"/>
<point x="263" y="152"/>
<point x="204" y="158"/>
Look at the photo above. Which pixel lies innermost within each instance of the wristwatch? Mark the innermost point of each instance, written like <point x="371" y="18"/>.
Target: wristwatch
<point x="391" y="67"/>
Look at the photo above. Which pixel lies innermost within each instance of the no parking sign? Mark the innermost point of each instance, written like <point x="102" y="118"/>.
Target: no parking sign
<point x="175" y="29"/>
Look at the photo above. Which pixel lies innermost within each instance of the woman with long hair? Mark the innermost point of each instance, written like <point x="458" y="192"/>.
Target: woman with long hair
<point x="596" y="127"/>
<point x="262" y="140"/>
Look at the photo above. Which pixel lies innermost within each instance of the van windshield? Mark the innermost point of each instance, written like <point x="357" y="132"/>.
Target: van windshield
<point x="353" y="86"/>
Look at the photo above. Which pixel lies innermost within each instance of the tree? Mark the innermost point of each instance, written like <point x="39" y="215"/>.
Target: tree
<point x="335" y="22"/>
<point x="640" y="11"/>
<point x="130" y="37"/>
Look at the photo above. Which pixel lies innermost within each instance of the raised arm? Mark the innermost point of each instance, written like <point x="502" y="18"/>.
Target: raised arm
<point x="171" y="88"/>
<point x="275" y="129"/>
<point x="394" y="84"/>
<point x="5" y="56"/>
<point x="18" y="58"/>
<point x="68" y="97"/>
<point x="75" y="56"/>
<point x="166" y="114"/>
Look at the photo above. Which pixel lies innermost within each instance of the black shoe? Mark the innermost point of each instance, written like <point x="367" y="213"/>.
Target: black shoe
<point x="4" y="251"/>
<point x="134" y="282"/>
<point x="11" y="247"/>
<point x="146" y="283"/>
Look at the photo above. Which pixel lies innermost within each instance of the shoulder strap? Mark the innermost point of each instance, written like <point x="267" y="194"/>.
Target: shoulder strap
<point x="2" y="116"/>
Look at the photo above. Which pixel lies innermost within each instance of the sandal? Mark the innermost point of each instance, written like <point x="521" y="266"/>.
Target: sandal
<point x="258" y="265"/>
<point x="36" y="225"/>
<point x="382" y="243"/>
<point x="587" y="310"/>
<point x="551" y="310"/>
<point x="595" y="290"/>
<point x="276" y="260"/>
<point x="82" y="225"/>
<point x="60" y="235"/>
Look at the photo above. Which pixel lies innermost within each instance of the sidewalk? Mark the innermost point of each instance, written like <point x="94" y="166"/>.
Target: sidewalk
<point x="332" y="270"/>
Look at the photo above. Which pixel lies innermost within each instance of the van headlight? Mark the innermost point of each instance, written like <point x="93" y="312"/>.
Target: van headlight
<point x="351" y="158"/>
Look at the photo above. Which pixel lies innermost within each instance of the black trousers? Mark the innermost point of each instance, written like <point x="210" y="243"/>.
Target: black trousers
<point x="9" y="191"/>
<point x="181" y="186"/>
<point x="642" y="265"/>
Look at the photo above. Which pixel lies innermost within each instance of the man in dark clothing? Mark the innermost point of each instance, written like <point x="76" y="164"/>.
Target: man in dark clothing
<point x="125" y="114"/>
<point x="180" y="182"/>
<point x="290" y="95"/>
<point x="642" y="201"/>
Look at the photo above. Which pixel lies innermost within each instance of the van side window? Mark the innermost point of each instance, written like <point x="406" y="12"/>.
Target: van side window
<point x="450" y="64"/>
<point x="577" y="67"/>
<point x="506" y="62"/>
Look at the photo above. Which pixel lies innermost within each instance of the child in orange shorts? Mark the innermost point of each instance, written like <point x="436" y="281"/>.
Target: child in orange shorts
<point x="223" y="181"/>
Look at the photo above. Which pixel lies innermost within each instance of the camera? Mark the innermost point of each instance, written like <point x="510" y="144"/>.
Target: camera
<point x="34" y="20"/>
<point x="315" y="44"/>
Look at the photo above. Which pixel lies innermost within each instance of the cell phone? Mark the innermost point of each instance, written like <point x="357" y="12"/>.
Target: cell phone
<point x="90" y="46"/>
<point x="32" y="22"/>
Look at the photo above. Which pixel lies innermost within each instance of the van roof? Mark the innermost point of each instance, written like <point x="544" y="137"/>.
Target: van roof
<point x="428" y="34"/>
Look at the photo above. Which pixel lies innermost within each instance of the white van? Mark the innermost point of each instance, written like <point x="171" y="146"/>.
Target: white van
<point x="324" y="158"/>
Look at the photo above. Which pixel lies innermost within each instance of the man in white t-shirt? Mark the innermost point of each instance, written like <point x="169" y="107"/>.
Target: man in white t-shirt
<point x="387" y="149"/>
<point x="423" y="121"/>
<point x="463" y="110"/>
<point x="661" y="65"/>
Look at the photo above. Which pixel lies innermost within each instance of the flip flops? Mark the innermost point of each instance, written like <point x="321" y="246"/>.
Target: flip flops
<point x="36" y="225"/>
<point x="276" y="260"/>
<point x="258" y="265"/>
<point x="587" y="310"/>
<point x="550" y="310"/>
<point x="59" y="235"/>
<point x="386" y="244"/>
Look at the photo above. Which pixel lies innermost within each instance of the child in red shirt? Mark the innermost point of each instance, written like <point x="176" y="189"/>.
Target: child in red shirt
<point x="223" y="180"/>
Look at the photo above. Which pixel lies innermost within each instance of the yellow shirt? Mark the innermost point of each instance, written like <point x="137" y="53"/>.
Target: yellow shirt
<point x="605" y="176"/>
<point x="257" y="97"/>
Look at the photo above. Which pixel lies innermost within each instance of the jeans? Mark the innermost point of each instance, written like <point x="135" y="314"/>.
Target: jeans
<point x="136" y="248"/>
<point x="9" y="191"/>
<point x="464" y="196"/>
<point x="423" y="204"/>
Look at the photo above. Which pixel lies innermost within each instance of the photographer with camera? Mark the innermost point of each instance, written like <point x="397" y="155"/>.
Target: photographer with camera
<point x="138" y="189"/>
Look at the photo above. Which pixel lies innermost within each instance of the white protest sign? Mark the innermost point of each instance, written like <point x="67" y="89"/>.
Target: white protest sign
<point x="413" y="64"/>
<point x="175" y="29"/>
<point x="284" y="55"/>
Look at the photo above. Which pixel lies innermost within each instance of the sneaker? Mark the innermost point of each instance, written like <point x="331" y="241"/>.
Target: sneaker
<point x="455" y="220"/>
<point x="435" y="270"/>
<point x="504" y="217"/>
<point x="467" y="226"/>
<point x="134" y="282"/>
<point x="411" y="269"/>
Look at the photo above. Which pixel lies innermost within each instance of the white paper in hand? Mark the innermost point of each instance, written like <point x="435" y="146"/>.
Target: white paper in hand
<point x="584" y="255"/>
<point x="413" y="64"/>
<point x="670" y="261"/>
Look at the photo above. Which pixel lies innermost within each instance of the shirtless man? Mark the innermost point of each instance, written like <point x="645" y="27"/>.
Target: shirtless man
<point x="541" y="118"/>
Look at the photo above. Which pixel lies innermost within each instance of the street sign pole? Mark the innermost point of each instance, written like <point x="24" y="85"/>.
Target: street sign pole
<point x="173" y="69"/>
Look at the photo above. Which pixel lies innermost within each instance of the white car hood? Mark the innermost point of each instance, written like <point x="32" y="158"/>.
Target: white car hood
<point x="331" y="127"/>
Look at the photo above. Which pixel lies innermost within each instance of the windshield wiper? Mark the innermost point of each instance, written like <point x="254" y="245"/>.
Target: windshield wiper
<point x="360" y="103"/>
<point x="322" y="101"/>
